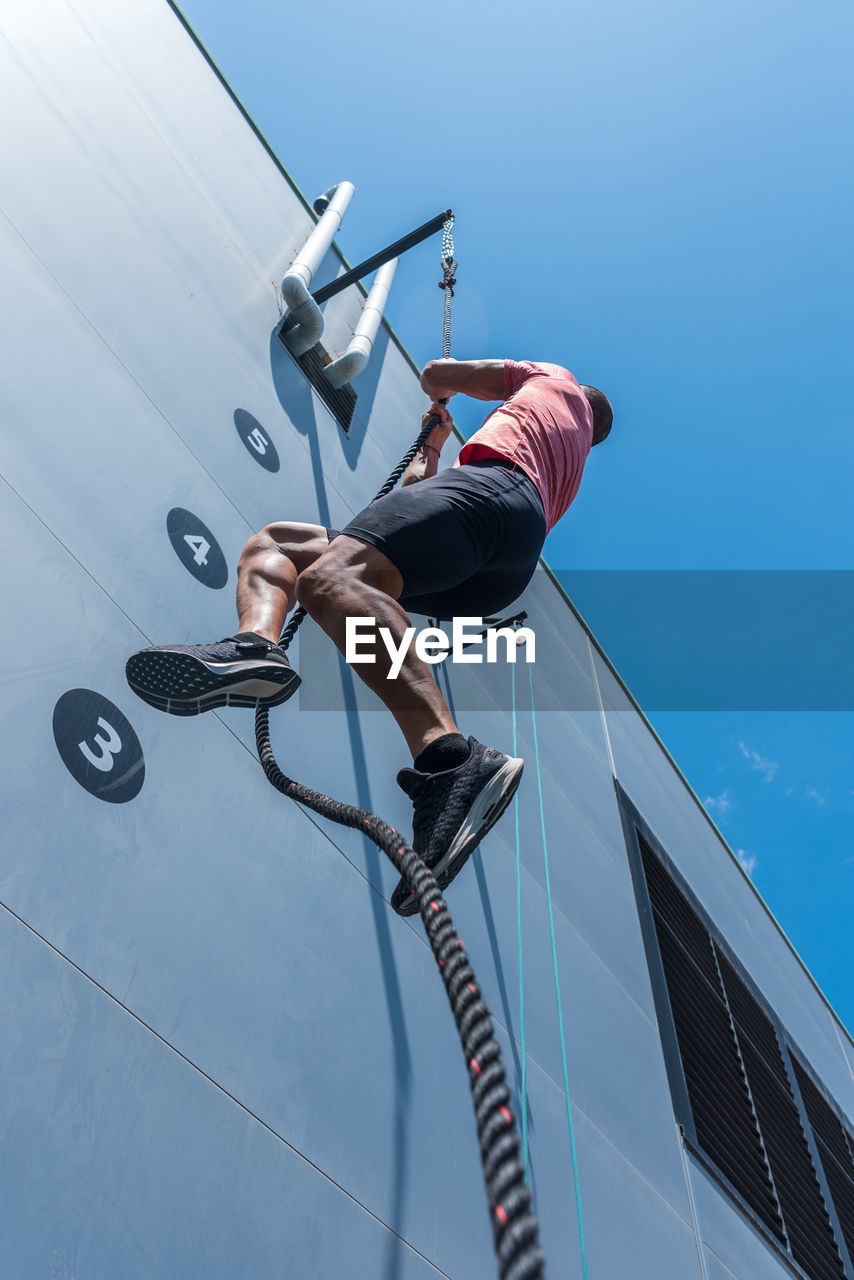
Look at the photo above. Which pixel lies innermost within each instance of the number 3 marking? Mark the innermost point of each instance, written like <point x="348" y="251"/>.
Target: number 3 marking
<point x="198" y="546"/>
<point x="104" y="761"/>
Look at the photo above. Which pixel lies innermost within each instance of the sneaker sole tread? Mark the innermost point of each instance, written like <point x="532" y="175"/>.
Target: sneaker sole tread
<point x="183" y="685"/>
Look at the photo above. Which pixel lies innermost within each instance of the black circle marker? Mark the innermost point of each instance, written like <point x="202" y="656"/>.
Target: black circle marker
<point x="256" y="439"/>
<point x="98" y="746"/>
<point x="197" y="548"/>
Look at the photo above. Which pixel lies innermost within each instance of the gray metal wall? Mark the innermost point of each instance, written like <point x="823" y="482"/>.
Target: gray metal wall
<point x="222" y="1054"/>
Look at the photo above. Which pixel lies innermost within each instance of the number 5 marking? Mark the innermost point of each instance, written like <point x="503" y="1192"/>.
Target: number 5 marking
<point x="258" y="441"/>
<point x="198" y="546"/>
<point x="104" y="761"/>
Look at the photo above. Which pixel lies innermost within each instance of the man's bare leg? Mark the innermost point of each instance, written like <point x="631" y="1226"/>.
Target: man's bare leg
<point x="267" y="574"/>
<point x="455" y="805"/>
<point x="346" y="578"/>
<point x="283" y="563"/>
<point x="242" y="670"/>
<point x="353" y="579"/>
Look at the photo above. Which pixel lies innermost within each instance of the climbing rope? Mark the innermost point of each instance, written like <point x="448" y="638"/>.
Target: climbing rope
<point x="514" y="1226"/>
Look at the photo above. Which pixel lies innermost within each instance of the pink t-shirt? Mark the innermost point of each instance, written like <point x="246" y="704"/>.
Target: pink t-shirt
<point x="545" y="425"/>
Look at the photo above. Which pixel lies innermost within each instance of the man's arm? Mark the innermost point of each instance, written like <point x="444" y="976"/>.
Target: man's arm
<point x="480" y="379"/>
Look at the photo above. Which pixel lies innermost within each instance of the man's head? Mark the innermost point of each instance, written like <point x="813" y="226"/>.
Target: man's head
<point x="603" y="414"/>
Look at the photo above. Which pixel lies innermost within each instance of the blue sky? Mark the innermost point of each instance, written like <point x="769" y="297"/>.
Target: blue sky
<point x="658" y="197"/>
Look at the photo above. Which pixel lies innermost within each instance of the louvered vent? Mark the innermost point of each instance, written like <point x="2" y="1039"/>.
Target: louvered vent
<point x="807" y="1223"/>
<point x="745" y="1114"/>
<point x="717" y="1088"/>
<point x="340" y="401"/>
<point x="835" y="1148"/>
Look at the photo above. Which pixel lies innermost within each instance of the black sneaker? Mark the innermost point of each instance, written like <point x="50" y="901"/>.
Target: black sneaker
<point x="453" y="811"/>
<point x="186" y="679"/>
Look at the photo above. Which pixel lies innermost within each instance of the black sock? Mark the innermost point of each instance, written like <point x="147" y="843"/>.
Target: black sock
<point x="443" y="753"/>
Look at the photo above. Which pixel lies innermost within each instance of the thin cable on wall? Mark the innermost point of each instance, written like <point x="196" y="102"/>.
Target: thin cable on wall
<point x="571" y="1124"/>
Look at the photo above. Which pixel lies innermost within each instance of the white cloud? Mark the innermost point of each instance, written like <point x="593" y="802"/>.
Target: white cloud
<point x="820" y="797"/>
<point x="767" y="768"/>
<point x="720" y="805"/>
<point x="748" y="860"/>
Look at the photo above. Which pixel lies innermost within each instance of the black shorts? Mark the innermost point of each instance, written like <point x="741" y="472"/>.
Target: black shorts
<point x="466" y="541"/>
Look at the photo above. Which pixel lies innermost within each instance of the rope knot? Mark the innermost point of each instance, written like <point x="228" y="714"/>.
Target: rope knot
<point x="449" y="266"/>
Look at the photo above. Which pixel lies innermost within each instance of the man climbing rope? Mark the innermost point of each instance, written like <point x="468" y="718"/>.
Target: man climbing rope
<point x="464" y="541"/>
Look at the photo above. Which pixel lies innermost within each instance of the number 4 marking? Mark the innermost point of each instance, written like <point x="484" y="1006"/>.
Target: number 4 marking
<point x="198" y="546"/>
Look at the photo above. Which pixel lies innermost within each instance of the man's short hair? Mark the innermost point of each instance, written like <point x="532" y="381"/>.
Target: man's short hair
<point x="603" y="414"/>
